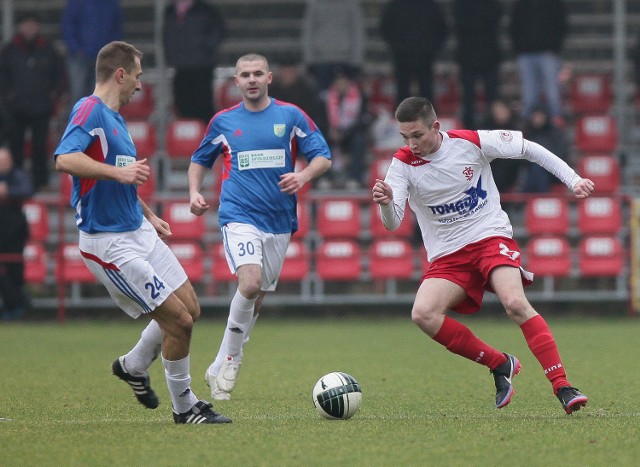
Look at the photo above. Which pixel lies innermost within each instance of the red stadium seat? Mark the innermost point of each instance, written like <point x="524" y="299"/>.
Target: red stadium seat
<point x="35" y="263"/>
<point x="143" y="135"/>
<point x="549" y="256"/>
<point x="227" y="94"/>
<point x="184" y="136"/>
<point x="190" y="256"/>
<point x="596" y="133"/>
<point x="547" y="215"/>
<point x="591" y="93"/>
<point x="447" y="94"/>
<point x="219" y="267"/>
<point x="141" y="104"/>
<point x="604" y="170"/>
<point x="38" y="219"/>
<point x="338" y="218"/>
<point x="600" y="256"/>
<point x="184" y="225"/>
<point x="296" y="263"/>
<point x="599" y="215"/>
<point x="391" y="259"/>
<point x="339" y="260"/>
<point x="377" y="228"/>
<point x="73" y="268"/>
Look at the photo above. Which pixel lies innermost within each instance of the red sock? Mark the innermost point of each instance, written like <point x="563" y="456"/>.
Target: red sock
<point x="543" y="345"/>
<point x="459" y="339"/>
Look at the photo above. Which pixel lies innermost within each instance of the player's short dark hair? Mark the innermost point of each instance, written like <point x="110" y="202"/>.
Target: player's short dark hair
<point x="114" y="55"/>
<point x="416" y="108"/>
<point x="253" y="57"/>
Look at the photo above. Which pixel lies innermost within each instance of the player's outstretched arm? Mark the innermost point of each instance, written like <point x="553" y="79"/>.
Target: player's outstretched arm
<point x="81" y="165"/>
<point x="583" y="188"/>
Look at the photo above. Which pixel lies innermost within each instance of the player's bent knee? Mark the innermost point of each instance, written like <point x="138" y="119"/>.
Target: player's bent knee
<point x="426" y="319"/>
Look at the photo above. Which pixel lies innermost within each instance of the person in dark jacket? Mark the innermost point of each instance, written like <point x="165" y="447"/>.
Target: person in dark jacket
<point x="88" y="25"/>
<point x="538" y="29"/>
<point x="15" y="187"/>
<point x="414" y="30"/>
<point x="477" y="26"/>
<point x="539" y="129"/>
<point x="193" y="31"/>
<point x="32" y="78"/>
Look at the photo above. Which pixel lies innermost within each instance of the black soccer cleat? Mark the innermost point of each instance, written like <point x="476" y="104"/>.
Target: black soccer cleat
<point x="141" y="385"/>
<point x="503" y="376"/>
<point x="201" y="412"/>
<point x="571" y="399"/>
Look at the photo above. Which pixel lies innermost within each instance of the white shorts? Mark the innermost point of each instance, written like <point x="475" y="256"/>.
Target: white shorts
<point x="245" y="244"/>
<point x="137" y="268"/>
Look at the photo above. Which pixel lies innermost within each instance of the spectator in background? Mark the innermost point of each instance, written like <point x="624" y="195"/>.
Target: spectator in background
<point x="539" y="129"/>
<point x="477" y="26"/>
<point x="15" y="187"/>
<point x="415" y="31"/>
<point x="538" y="29"/>
<point x="86" y="26"/>
<point x="348" y="123"/>
<point x="502" y="116"/>
<point x="334" y="36"/>
<point x="32" y="78"/>
<point x="292" y="85"/>
<point x="192" y="32"/>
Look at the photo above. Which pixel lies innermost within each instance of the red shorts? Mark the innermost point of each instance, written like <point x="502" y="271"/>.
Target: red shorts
<point x="470" y="266"/>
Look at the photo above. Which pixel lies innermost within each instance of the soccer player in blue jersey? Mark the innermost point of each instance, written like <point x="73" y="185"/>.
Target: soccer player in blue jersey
<point x="120" y="238"/>
<point x="258" y="141"/>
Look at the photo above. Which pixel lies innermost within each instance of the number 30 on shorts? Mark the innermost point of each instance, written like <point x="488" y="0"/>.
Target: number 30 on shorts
<point x="154" y="287"/>
<point x="246" y="249"/>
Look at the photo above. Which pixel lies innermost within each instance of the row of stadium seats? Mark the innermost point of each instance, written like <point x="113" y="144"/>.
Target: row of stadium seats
<point x="594" y="134"/>
<point x="336" y="260"/>
<point x="353" y="218"/>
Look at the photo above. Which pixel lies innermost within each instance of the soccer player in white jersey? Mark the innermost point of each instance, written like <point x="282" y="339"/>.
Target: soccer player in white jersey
<point x="258" y="140"/>
<point x="446" y="179"/>
<point x="120" y="236"/>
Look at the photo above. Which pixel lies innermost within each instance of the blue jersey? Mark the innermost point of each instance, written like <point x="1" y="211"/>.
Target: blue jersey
<point x="101" y="133"/>
<point x="257" y="148"/>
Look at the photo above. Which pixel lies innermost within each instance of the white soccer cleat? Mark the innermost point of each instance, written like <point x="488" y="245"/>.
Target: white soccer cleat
<point x="222" y="384"/>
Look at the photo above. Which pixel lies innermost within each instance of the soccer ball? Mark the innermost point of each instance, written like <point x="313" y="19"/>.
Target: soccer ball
<point x="337" y="396"/>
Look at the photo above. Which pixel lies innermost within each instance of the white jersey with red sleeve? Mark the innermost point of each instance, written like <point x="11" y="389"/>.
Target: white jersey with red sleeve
<point x="452" y="191"/>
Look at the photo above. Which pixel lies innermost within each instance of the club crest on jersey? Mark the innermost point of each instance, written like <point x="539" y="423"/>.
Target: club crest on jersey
<point x="466" y="204"/>
<point x="468" y="173"/>
<point x="278" y="129"/>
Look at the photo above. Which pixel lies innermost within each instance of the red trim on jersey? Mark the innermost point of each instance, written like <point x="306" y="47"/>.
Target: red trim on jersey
<point x="226" y="162"/>
<point x="405" y="155"/>
<point x="95" y="259"/>
<point x="84" y="110"/>
<point x="94" y="151"/>
<point x="469" y="135"/>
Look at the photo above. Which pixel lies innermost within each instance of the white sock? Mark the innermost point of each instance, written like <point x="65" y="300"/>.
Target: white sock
<point x="179" y="384"/>
<point x="140" y="358"/>
<point x="240" y="318"/>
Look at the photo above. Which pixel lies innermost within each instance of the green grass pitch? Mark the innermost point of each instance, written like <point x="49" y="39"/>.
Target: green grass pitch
<point x="421" y="405"/>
